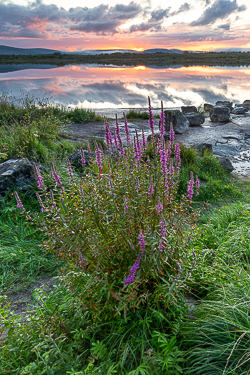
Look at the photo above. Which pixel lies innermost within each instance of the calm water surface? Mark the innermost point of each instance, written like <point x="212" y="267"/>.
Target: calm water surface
<point x="96" y="87"/>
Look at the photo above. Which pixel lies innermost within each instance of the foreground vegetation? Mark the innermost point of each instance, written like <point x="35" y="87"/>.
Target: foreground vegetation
<point x="132" y="247"/>
<point x="133" y="59"/>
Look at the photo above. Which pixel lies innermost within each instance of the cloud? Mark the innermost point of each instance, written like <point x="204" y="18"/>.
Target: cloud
<point x="220" y="9"/>
<point x="225" y="26"/>
<point x="183" y="8"/>
<point x="159" y="14"/>
<point x="102" y="19"/>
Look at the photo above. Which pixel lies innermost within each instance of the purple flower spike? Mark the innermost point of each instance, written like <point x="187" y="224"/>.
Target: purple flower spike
<point x="69" y="169"/>
<point x="162" y="121"/>
<point x="177" y="154"/>
<point x="55" y="176"/>
<point x="99" y="155"/>
<point x="190" y="186"/>
<point x="39" y="177"/>
<point x="159" y="206"/>
<point x="82" y="262"/>
<point x="179" y="270"/>
<point x="197" y="184"/>
<point x="151" y="120"/>
<point x="151" y="187"/>
<point x="171" y="136"/>
<point x="125" y="203"/>
<point x="20" y="205"/>
<point x="52" y="199"/>
<point x="108" y="135"/>
<point x="137" y="148"/>
<point x="83" y="158"/>
<point x="136" y="265"/>
<point x="88" y="148"/>
<point x="126" y="128"/>
<point x="41" y="203"/>
<point x="144" y="142"/>
<point x="163" y="157"/>
<point x="163" y="232"/>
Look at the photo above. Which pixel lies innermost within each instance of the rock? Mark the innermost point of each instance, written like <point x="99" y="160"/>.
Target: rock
<point x="220" y="114"/>
<point x="75" y="158"/>
<point x="189" y="109"/>
<point x="202" y="147"/>
<point x="179" y="121"/>
<point x="247" y="104"/>
<point x="225" y="103"/>
<point x="225" y="163"/>
<point x="157" y="135"/>
<point x="195" y="119"/>
<point x="208" y="107"/>
<point x="239" y="111"/>
<point x="18" y="173"/>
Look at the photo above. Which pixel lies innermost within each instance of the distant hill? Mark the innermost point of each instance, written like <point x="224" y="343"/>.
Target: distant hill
<point x="5" y="50"/>
<point x="232" y="50"/>
<point x="99" y="51"/>
<point x="109" y="51"/>
<point x="156" y="50"/>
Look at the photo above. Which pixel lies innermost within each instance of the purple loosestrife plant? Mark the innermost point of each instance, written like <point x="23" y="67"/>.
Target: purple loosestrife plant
<point x="88" y="148"/>
<point x="43" y="209"/>
<point x="99" y="156"/>
<point x="126" y="128"/>
<point x="151" y="120"/>
<point x="197" y="184"/>
<point x="82" y="262"/>
<point x="151" y="186"/>
<point x="83" y="158"/>
<point x="136" y="265"/>
<point x="52" y="199"/>
<point x="39" y="177"/>
<point x="177" y="154"/>
<point x="104" y="216"/>
<point x="190" y="186"/>
<point x="163" y="232"/>
<point x="108" y="135"/>
<point x="20" y="205"/>
<point x="162" y="121"/>
<point x="159" y="206"/>
<point x="144" y="142"/>
<point x="125" y="200"/>
<point x="55" y="176"/>
<point x="69" y="170"/>
<point x="171" y="135"/>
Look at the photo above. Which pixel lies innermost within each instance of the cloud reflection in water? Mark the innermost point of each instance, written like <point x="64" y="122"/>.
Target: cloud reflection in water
<point x="93" y="86"/>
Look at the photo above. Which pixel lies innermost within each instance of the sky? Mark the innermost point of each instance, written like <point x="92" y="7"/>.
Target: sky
<point x="76" y="25"/>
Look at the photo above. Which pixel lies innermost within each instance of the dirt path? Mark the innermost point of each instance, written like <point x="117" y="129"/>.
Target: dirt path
<point x="21" y="303"/>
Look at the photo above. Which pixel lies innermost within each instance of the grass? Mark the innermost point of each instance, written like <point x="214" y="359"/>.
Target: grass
<point x="22" y="257"/>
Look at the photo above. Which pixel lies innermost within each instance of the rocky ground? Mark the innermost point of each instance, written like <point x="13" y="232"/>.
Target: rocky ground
<point x="231" y="139"/>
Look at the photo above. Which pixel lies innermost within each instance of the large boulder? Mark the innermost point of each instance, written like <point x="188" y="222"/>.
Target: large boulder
<point x="189" y="109"/>
<point x="179" y="121"/>
<point x="75" y="158"/>
<point x="208" y="107"/>
<point x="225" y="163"/>
<point x="157" y="136"/>
<point x="247" y="104"/>
<point x="225" y="103"/>
<point x="18" y="174"/>
<point x="239" y="110"/>
<point x="195" y="119"/>
<point x="220" y="114"/>
<point x="204" y="147"/>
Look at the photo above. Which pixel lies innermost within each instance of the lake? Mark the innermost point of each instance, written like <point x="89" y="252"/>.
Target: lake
<point x="101" y="87"/>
